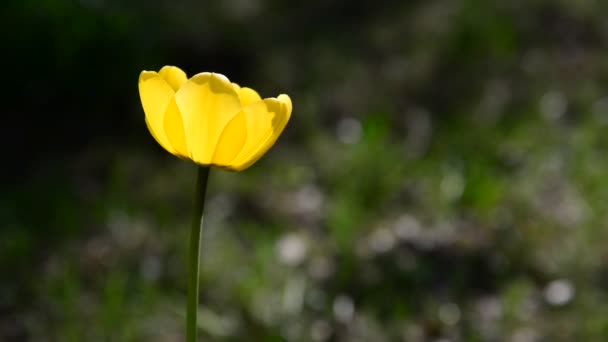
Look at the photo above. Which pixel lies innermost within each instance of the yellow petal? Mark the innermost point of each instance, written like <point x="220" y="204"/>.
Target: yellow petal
<point x="246" y="95"/>
<point x="174" y="76"/>
<point x="265" y="123"/>
<point x="236" y="87"/>
<point x="285" y="99"/>
<point x="174" y="129"/>
<point x="155" y="95"/>
<point x="231" y="141"/>
<point x="207" y="103"/>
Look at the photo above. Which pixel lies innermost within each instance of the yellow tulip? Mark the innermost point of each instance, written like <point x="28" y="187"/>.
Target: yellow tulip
<point x="208" y="119"/>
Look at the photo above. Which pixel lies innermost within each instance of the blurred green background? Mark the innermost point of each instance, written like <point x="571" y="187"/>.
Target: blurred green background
<point x="442" y="177"/>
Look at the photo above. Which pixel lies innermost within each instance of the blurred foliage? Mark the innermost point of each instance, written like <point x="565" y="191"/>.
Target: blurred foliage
<point x="442" y="178"/>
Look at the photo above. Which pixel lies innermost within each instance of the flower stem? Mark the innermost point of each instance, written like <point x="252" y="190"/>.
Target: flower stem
<point x="194" y="253"/>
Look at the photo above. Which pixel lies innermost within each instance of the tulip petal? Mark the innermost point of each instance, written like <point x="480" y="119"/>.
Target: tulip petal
<point x="285" y="99"/>
<point x="174" y="76"/>
<point x="231" y="140"/>
<point x="207" y="103"/>
<point x="155" y="95"/>
<point x="246" y="95"/>
<point x="174" y="129"/>
<point x="265" y="123"/>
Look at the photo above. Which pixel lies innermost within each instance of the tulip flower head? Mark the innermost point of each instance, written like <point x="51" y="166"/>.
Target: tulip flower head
<point x="208" y="119"/>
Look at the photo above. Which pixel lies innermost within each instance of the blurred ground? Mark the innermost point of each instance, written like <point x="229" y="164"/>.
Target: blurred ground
<point x="442" y="177"/>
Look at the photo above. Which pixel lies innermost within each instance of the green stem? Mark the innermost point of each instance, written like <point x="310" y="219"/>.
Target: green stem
<point x="194" y="254"/>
